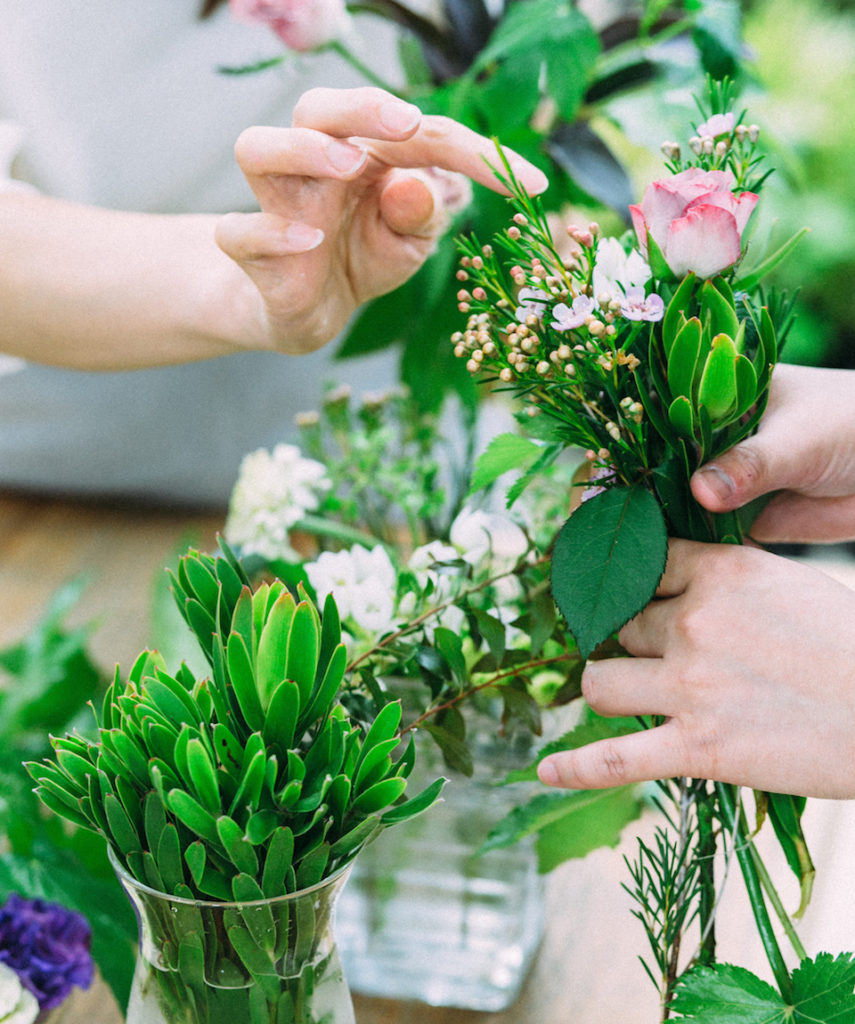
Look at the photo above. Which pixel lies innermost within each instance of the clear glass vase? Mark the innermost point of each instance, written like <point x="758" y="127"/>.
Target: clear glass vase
<point x="470" y="923"/>
<point x="267" y="962"/>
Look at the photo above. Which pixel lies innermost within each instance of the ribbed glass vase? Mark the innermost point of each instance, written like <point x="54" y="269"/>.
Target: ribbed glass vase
<point x="266" y="962"/>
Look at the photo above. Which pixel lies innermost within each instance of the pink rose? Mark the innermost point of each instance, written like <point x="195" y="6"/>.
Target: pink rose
<point x="695" y="219"/>
<point x="300" y="24"/>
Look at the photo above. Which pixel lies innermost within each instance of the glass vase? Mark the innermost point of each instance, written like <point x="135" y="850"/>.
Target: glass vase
<point x="266" y="962"/>
<point x="470" y="923"/>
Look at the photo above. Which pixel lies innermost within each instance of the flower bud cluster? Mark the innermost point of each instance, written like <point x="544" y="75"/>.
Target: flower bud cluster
<point x="535" y="325"/>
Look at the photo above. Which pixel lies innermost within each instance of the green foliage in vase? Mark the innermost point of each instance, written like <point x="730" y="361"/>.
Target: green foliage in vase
<point x="247" y="784"/>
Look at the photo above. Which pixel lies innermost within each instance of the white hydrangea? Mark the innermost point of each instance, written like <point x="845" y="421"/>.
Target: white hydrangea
<point x="274" y="490"/>
<point x="17" y="1004"/>
<point x="362" y="582"/>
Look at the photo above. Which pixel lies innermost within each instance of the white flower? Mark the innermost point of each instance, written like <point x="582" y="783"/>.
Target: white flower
<point x="362" y="582"/>
<point x="616" y="271"/>
<point x="17" y="1004"/>
<point x="422" y="562"/>
<point x="274" y="490"/>
<point x="479" y="535"/>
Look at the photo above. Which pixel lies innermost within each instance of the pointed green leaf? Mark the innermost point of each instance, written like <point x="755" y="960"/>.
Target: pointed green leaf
<point x="203" y="776"/>
<point x="192" y="814"/>
<point x="416" y="805"/>
<point x="717" y="392"/>
<point x="379" y="796"/>
<point x="681" y="416"/>
<point x="504" y="453"/>
<point x="273" y="647"/>
<point x="683" y="360"/>
<point x="302" y="650"/>
<point x="280" y="850"/>
<point x="675" y="313"/>
<point x="242" y="676"/>
<point x="282" y="715"/>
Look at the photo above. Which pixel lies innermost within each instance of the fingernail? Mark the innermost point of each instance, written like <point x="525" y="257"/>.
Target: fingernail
<point x="344" y="157"/>
<point x="302" y="237"/>
<point x="547" y="772"/>
<point x="719" y="482"/>
<point x="398" y="116"/>
<point x="532" y="177"/>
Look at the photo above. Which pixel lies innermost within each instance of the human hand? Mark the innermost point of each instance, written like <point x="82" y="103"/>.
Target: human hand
<point x="750" y="658"/>
<point x="347" y="210"/>
<point x="804" y="448"/>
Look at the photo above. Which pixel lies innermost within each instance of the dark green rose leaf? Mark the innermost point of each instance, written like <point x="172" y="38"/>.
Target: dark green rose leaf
<point x="607" y="562"/>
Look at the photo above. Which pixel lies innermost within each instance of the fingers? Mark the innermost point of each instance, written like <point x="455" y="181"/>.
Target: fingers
<point x="799" y="519"/>
<point x="640" y="757"/>
<point x="629" y="686"/>
<point x="262" y="151"/>
<point x="253" y="236"/>
<point x="403" y="137"/>
<point x="370" y="112"/>
<point x="410" y="204"/>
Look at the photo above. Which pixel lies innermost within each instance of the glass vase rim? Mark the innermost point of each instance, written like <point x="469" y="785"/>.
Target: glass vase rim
<point x="125" y="875"/>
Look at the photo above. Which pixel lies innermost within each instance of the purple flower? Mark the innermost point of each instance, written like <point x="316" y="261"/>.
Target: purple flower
<point x="568" y="317"/>
<point x="636" y="306"/>
<point x="47" y="946"/>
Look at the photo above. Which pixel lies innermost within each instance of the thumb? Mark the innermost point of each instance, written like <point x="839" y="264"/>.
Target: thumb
<point x="736" y="477"/>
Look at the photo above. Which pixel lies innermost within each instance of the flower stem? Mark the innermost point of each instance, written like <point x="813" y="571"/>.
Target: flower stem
<point x="319" y="526"/>
<point x="367" y="73"/>
<point x="732" y="814"/>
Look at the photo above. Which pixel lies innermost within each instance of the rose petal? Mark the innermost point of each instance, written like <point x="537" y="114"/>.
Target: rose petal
<point x="705" y="241"/>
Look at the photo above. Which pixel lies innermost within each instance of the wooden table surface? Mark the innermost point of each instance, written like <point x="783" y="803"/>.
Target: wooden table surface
<point x="586" y="971"/>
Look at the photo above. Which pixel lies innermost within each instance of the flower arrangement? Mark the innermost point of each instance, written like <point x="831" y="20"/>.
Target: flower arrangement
<point x="249" y="784"/>
<point x="651" y="354"/>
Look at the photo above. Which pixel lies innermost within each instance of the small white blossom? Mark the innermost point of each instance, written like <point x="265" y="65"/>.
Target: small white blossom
<point x="480" y="535"/>
<point x="274" y="490"/>
<point x="362" y="582"/>
<point x="17" y="1004"/>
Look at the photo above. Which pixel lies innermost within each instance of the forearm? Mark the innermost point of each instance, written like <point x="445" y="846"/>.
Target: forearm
<point x="98" y="289"/>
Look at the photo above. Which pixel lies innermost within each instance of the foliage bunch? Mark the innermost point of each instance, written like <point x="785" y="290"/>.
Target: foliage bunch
<point x="244" y="786"/>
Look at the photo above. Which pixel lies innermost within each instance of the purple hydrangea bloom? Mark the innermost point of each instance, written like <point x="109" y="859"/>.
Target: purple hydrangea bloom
<point x="47" y="946"/>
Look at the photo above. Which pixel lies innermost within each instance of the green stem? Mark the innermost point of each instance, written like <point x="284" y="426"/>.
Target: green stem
<point x="706" y="845"/>
<point x="321" y="527"/>
<point x="727" y="801"/>
<point x="778" y="906"/>
<point x="367" y="73"/>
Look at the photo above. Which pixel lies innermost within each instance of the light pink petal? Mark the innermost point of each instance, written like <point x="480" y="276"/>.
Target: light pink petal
<point x="640" y="227"/>
<point x="661" y="205"/>
<point x="705" y="241"/>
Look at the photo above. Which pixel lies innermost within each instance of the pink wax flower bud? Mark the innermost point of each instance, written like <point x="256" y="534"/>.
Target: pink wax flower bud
<point x="716" y="125"/>
<point x="300" y="24"/>
<point x="695" y="219"/>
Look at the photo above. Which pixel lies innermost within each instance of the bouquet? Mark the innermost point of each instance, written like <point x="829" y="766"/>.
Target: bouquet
<point x="651" y="353"/>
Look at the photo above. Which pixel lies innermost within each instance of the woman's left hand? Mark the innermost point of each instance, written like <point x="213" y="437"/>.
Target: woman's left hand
<point x="750" y="658"/>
